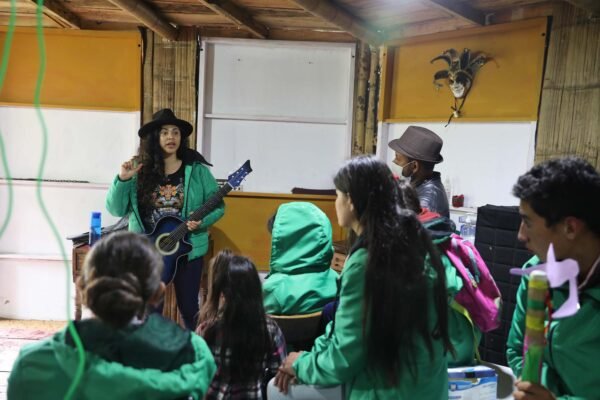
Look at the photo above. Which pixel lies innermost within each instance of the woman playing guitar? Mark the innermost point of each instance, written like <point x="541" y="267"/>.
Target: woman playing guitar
<point x="161" y="186"/>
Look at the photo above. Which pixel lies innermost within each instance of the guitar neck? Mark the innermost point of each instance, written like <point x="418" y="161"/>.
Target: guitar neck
<point x="211" y="203"/>
<point x="181" y="230"/>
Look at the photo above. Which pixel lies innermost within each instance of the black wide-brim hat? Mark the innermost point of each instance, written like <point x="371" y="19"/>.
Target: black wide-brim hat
<point x="166" y="117"/>
<point x="420" y="144"/>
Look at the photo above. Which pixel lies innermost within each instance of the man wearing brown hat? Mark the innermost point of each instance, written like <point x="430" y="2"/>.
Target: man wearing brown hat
<point x="417" y="152"/>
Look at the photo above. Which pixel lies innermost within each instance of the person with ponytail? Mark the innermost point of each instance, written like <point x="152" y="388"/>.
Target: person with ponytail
<point x="129" y="353"/>
<point x="247" y="345"/>
<point x="390" y="332"/>
<point x="167" y="178"/>
<point x="465" y="336"/>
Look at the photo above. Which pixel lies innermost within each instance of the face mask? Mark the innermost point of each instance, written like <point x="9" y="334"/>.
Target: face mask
<point x="397" y="170"/>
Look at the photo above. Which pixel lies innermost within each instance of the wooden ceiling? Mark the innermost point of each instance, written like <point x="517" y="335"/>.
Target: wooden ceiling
<point x="373" y="21"/>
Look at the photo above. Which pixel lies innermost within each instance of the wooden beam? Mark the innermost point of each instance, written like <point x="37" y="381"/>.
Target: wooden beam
<point x="54" y="10"/>
<point x="593" y="6"/>
<point x="440" y="30"/>
<point x="238" y="16"/>
<point x="461" y="10"/>
<point x="148" y="17"/>
<point x="385" y="93"/>
<point x="297" y="34"/>
<point x="513" y="14"/>
<point x="403" y="32"/>
<point x="342" y="19"/>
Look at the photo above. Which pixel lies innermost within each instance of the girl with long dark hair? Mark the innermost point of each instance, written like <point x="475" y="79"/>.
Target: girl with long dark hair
<point x="167" y="178"/>
<point x="389" y="336"/>
<point x="244" y="341"/>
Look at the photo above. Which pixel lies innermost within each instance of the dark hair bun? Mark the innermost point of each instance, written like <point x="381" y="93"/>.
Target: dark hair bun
<point x="115" y="300"/>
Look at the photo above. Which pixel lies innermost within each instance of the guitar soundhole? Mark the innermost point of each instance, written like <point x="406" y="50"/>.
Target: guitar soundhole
<point x="166" y="245"/>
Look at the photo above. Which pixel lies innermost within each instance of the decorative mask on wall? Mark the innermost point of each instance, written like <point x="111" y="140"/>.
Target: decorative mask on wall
<point x="459" y="75"/>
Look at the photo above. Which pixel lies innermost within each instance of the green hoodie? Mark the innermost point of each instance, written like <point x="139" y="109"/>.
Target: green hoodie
<point x="300" y="279"/>
<point x="341" y="357"/>
<point x="44" y="370"/>
<point x="199" y="185"/>
<point x="571" y="364"/>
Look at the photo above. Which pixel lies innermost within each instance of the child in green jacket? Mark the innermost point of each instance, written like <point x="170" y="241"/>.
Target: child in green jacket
<point x="390" y="333"/>
<point x="300" y="279"/>
<point x="559" y="204"/>
<point x="464" y="335"/>
<point x="128" y="353"/>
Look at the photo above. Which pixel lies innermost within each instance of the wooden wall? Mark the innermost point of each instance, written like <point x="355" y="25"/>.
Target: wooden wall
<point x="507" y="88"/>
<point x="170" y="70"/>
<point x="84" y="70"/>
<point x="569" y="120"/>
<point x="243" y="229"/>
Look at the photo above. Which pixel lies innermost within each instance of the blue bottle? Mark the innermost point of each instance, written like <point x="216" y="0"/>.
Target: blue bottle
<point x="95" y="227"/>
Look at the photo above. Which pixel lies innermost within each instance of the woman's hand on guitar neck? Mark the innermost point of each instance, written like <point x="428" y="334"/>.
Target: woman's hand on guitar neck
<point x="128" y="170"/>
<point x="193" y="225"/>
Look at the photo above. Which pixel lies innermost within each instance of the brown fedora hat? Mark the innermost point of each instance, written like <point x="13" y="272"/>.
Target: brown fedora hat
<point x="420" y="144"/>
<point x="166" y="116"/>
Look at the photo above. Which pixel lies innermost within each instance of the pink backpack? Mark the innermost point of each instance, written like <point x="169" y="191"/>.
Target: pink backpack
<point x="480" y="295"/>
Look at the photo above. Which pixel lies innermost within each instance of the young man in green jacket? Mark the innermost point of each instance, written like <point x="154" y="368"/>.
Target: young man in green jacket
<point x="300" y="280"/>
<point x="559" y="205"/>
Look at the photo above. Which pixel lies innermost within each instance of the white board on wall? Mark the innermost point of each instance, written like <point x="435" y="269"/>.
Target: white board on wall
<point x="286" y="106"/>
<point x="247" y="77"/>
<point x="280" y="161"/>
<point x="82" y="145"/>
<point x="482" y="161"/>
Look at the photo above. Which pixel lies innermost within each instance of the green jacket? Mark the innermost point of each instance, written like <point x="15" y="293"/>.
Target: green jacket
<point x="464" y="336"/>
<point x="44" y="370"/>
<point x="341" y="358"/>
<point x="199" y="186"/>
<point x="571" y="364"/>
<point x="300" y="279"/>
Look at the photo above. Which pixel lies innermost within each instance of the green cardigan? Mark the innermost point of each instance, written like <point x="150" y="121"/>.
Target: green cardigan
<point x="199" y="185"/>
<point x="341" y="358"/>
<point x="571" y="364"/>
<point x="300" y="280"/>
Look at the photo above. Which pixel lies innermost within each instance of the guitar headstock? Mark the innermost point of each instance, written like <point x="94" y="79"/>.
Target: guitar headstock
<point x="236" y="178"/>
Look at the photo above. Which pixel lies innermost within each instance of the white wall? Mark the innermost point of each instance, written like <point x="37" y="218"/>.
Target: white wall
<point x="482" y="161"/>
<point x="34" y="289"/>
<point x="286" y="106"/>
<point x="82" y="145"/>
<point x="69" y="206"/>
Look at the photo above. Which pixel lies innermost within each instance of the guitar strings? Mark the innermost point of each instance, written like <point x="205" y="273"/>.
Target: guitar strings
<point x="179" y="233"/>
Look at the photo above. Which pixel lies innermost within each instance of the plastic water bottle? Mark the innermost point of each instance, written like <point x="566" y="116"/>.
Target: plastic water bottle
<point x="448" y="188"/>
<point x="95" y="227"/>
<point x="467" y="230"/>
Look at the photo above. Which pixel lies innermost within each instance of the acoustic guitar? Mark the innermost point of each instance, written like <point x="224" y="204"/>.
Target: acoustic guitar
<point x="170" y="232"/>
